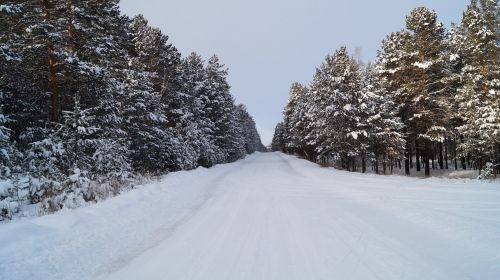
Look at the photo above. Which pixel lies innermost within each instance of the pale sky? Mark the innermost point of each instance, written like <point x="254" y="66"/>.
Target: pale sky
<point x="268" y="44"/>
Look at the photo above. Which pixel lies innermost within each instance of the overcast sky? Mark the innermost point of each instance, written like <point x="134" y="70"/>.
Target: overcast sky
<point x="268" y="44"/>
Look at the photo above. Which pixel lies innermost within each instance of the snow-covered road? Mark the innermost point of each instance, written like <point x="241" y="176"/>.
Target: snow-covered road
<point x="270" y="216"/>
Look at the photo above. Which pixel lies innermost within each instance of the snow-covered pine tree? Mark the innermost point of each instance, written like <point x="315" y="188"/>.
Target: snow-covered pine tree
<point x="193" y="108"/>
<point x="30" y="50"/>
<point x="298" y="122"/>
<point x="7" y="164"/>
<point x="111" y="159"/>
<point x="152" y="143"/>
<point x="430" y="99"/>
<point x="380" y="129"/>
<point x="250" y="133"/>
<point x="394" y="60"/>
<point x="228" y="132"/>
<point x="43" y="49"/>
<point x="335" y="91"/>
<point x="278" y="143"/>
<point x="9" y="16"/>
<point x="304" y="123"/>
<point x="234" y="144"/>
<point x="6" y="144"/>
<point x="92" y="69"/>
<point x="476" y="45"/>
<point x="294" y="143"/>
<point x="43" y="175"/>
<point x="454" y="82"/>
<point x="81" y="139"/>
<point x="414" y="65"/>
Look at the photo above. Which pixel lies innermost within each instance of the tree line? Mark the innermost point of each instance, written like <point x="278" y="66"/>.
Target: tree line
<point x="431" y="100"/>
<point x="90" y="98"/>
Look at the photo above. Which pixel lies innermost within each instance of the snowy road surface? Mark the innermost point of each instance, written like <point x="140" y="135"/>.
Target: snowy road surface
<point x="270" y="216"/>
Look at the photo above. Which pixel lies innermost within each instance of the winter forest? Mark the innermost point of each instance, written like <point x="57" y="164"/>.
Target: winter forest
<point x="91" y="101"/>
<point x="125" y="155"/>
<point x="430" y="101"/>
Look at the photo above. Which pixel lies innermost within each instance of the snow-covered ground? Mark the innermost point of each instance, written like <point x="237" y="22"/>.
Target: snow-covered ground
<point x="270" y="216"/>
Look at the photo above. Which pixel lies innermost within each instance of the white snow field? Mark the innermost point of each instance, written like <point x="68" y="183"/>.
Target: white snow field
<point x="269" y="216"/>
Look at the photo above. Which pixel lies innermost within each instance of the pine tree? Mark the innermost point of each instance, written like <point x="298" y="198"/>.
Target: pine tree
<point x="454" y="82"/>
<point x="228" y="131"/>
<point x="414" y="65"/>
<point x="6" y="144"/>
<point x="192" y="107"/>
<point x="335" y="90"/>
<point x="297" y="127"/>
<point x="395" y="59"/>
<point x="96" y="30"/>
<point x="43" y="174"/>
<point x="291" y="118"/>
<point x="9" y="16"/>
<point x="305" y="121"/>
<point x="278" y="143"/>
<point x="45" y="46"/>
<point x="476" y="44"/>
<point x="428" y="88"/>
<point x="160" y="102"/>
<point x="144" y="107"/>
<point x="250" y="134"/>
<point x="30" y="51"/>
<point x="28" y="61"/>
<point x="379" y="135"/>
<point x="80" y="136"/>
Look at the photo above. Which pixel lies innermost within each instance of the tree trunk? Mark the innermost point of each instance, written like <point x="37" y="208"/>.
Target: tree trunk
<point x="306" y="155"/>
<point x="427" y="159"/>
<point x="411" y="157"/>
<point x="455" y="155"/>
<point x="427" y="166"/>
<point x="52" y="63"/>
<point x="417" y="158"/>
<point x="54" y="94"/>
<point x="407" y="159"/>
<point x="431" y="155"/>
<point x="441" y="158"/>
<point x="446" y="155"/>
<point x="497" y="156"/>
<point x="363" y="164"/>
<point x="312" y="153"/>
